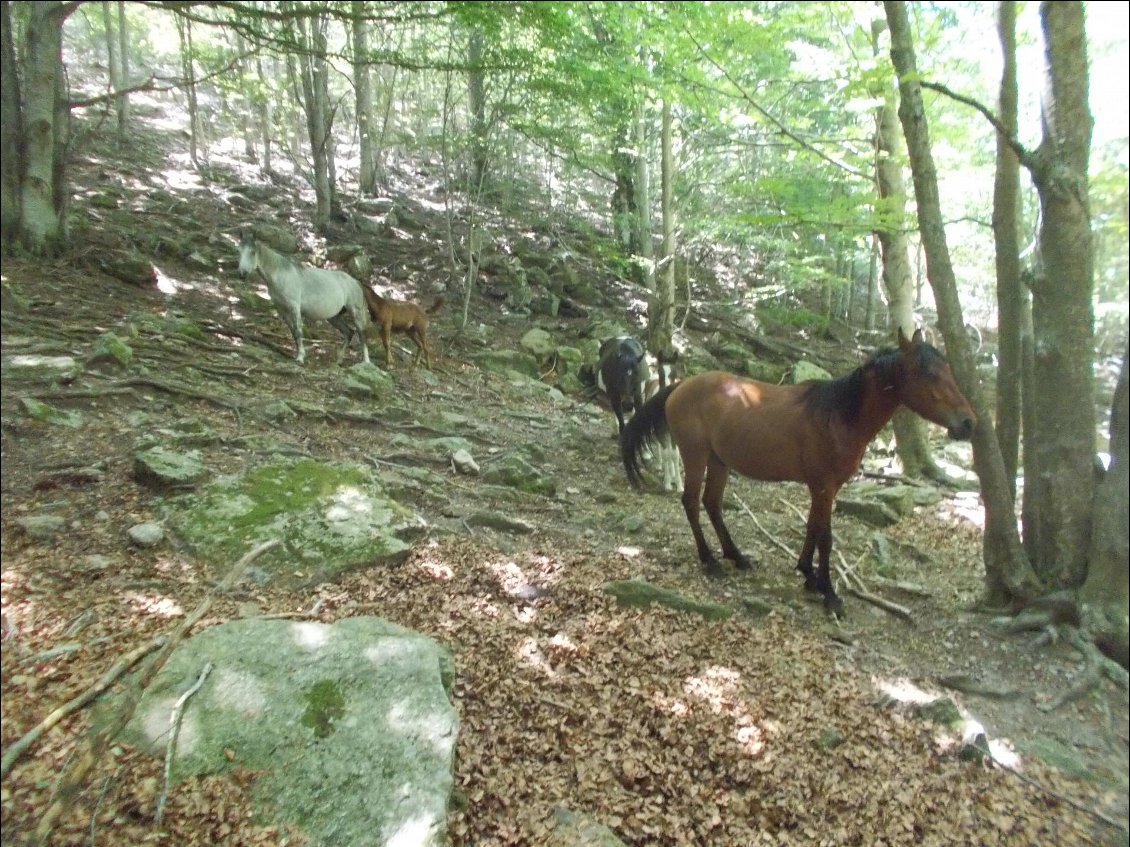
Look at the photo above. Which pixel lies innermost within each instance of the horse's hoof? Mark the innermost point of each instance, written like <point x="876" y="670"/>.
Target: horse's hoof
<point x="834" y="607"/>
<point x="712" y="569"/>
<point x="743" y="563"/>
<point x="811" y="585"/>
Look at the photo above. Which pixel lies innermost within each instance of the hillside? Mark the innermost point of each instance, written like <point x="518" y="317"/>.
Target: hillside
<point x="773" y="726"/>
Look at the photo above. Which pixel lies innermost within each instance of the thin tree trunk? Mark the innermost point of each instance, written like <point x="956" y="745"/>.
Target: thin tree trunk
<point x="661" y="309"/>
<point x="872" y="284"/>
<point x="123" y="55"/>
<point x="363" y="86"/>
<point x="188" y="71"/>
<point x="1010" y="294"/>
<point x="1008" y="575"/>
<point x="646" y="253"/>
<point x="113" y="58"/>
<point x="911" y="435"/>
<point x="476" y="96"/>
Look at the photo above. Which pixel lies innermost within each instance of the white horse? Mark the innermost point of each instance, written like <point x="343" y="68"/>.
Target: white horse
<point x="299" y="291"/>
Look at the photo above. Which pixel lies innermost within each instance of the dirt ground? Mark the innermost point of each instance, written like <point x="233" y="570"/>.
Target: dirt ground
<point x="770" y="727"/>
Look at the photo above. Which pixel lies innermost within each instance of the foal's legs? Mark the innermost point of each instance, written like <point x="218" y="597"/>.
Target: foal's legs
<point x="717" y="475"/>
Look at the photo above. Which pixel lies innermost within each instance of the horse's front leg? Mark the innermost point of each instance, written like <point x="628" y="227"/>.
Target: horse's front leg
<point x="818" y="539"/>
<point x="292" y="317"/>
<point x="717" y="475"/>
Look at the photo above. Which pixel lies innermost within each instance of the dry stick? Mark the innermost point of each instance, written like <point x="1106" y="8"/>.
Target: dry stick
<point x="17" y="748"/>
<point x="68" y="784"/>
<point x="174" y="731"/>
<point x="767" y="533"/>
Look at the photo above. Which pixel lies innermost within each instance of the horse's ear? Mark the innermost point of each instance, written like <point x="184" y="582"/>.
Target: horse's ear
<point x="918" y="337"/>
<point x="904" y="344"/>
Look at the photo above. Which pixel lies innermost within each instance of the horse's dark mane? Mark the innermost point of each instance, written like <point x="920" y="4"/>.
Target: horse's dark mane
<point x="842" y="398"/>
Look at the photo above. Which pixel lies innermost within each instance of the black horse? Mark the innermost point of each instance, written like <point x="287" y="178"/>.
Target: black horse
<point x="620" y="374"/>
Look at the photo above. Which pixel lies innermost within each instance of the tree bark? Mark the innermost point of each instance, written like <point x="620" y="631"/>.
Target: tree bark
<point x="1062" y="317"/>
<point x="188" y="70"/>
<point x="476" y="96"/>
<point x="646" y="255"/>
<point x="911" y="436"/>
<point x="1008" y="574"/>
<point x="661" y="308"/>
<point x="363" y="86"/>
<point x="1010" y="294"/>
<point x="43" y="187"/>
<point x="314" y="77"/>
<point x="123" y="56"/>
<point x="11" y="133"/>
<point x="1104" y="596"/>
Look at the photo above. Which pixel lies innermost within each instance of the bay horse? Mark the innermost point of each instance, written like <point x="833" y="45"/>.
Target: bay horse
<point x="300" y="291"/>
<point x="814" y="432"/>
<point x="401" y="316"/>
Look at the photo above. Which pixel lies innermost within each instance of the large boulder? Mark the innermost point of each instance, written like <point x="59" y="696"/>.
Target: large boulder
<point x="350" y="725"/>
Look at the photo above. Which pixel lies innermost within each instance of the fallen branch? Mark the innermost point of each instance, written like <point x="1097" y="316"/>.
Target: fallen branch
<point x="17" y="748"/>
<point x="886" y="605"/>
<point x="764" y="531"/>
<point x="95" y="743"/>
<point x="174" y="731"/>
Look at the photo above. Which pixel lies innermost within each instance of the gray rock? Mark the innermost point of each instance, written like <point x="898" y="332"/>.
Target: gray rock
<point x="146" y="534"/>
<point x="110" y="348"/>
<point x="164" y="468"/>
<point x="502" y="523"/>
<point x="33" y="368"/>
<point x="515" y="472"/>
<point x="869" y="511"/>
<point x="464" y="463"/>
<point x="538" y="341"/>
<point x="367" y="380"/>
<point x="351" y="725"/>
<point x="639" y="593"/>
<point x="49" y="414"/>
<point x="328" y="516"/>
<point x="41" y="527"/>
<point x="803" y="371"/>
<point x="577" y="829"/>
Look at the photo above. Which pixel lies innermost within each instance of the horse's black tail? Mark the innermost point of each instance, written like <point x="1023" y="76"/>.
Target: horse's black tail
<point x="647" y="425"/>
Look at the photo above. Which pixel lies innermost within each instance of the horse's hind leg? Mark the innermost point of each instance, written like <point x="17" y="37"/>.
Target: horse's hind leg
<point x="717" y="475"/>
<point x="695" y="469"/>
<point x="343" y="324"/>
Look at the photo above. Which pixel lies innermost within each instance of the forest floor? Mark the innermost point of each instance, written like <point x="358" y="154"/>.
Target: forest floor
<point x="766" y="728"/>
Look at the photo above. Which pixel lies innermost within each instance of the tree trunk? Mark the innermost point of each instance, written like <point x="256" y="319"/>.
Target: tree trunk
<point x="1104" y="596"/>
<point x="476" y="96"/>
<point x="123" y="57"/>
<point x="872" y="284"/>
<point x="646" y="255"/>
<point x="911" y="436"/>
<point x="113" y="57"/>
<point x="188" y="71"/>
<point x="43" y="189"/>
<point x="661" y="309"/>
<point x="313" y="76"/>
<point x="11" y="133"/>
<point x="1008" y="574"/>
<point x="1010" y="294"/>
<point x="363" y="86"/>
<point x="1062" y="316"/>
<point x="623" y="201"/>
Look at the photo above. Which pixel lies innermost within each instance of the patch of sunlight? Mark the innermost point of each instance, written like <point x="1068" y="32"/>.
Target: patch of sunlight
<point x="415" y="832"/>
<point x="526" y="614"/>
<point x="903" y="691"/>
<point x="485" y="607"/>
<point x="509" y="576"/>
<point x="963" y="507"/>
<point x="183" y="178"/>
<point x="170" y="285"/>
<point x="717" y="687"/>
<point x="348" y="500"/>
<point x="530" y="652"/>
<point x="629" y="552"/>
<point x="750" y="737"/>
<point x="309" y="635"/>
<point x="672" y="706"/>
<point x="152" y="604"/>
<point x="562" y="644"/>
<point x="174" y="567"/>
<point x="440" y="571"/>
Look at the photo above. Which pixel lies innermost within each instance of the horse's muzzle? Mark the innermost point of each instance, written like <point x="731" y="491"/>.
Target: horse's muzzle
<point x="963" y="429"/>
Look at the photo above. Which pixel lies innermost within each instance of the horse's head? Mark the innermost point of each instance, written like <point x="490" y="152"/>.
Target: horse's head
<point x="622" y="371"/>
<point x="248" y="257"/>
<point x="925" y="384"/>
